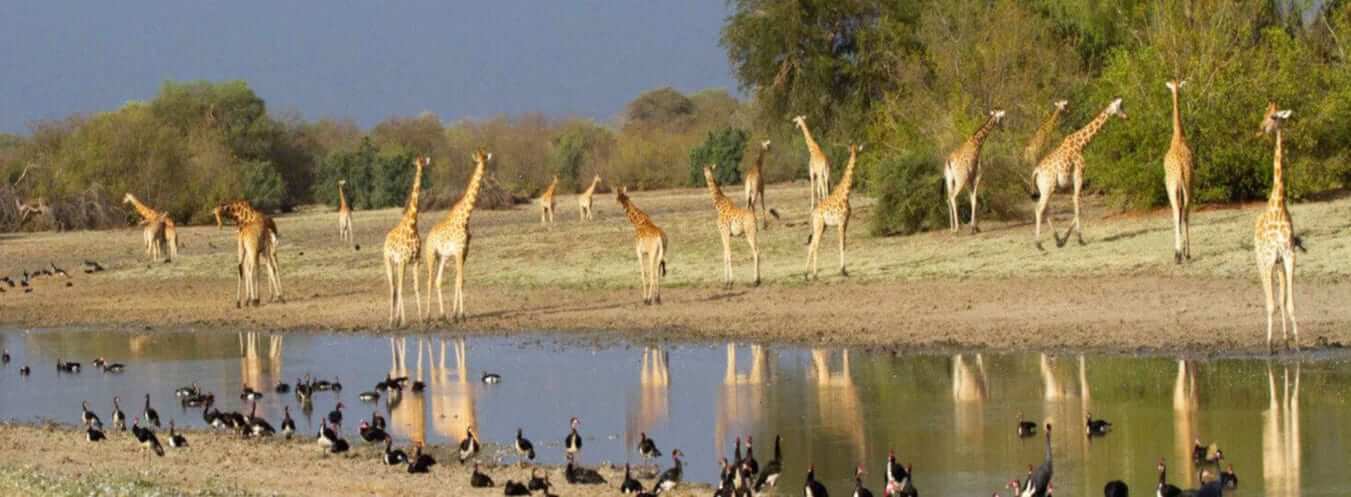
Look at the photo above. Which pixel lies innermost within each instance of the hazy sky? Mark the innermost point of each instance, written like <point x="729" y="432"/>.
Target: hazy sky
<point x="365" y="60"/>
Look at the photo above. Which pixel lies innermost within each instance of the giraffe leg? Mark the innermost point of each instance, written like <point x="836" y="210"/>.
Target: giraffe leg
<point x="440" y="264"/>
<point x="811" y="204"/>
<point x="400" y="268"/>
<point x="1173" y="202"/>
<point x="844" y="225"/>
<point x="1289" y="293"/>
<point x="389" y="277"/>
<point x="975" y="187"/>
<point x="1186" y="223"/>
<point x="818" y="230"/>
<point x="755" y="249"/>
<point x="417" y="291"/>
<point x="1078" y="187"/>
<point x="274" y="273"/>
<point x="642" y="272"/>
<point x="459" y="283"/>
<point x="1266" y="271"/>
<point x="1280" y="305"/>
<point x="1042" y="204"/>
<point x="726" y="258"/>
<point x="658" y="270"/>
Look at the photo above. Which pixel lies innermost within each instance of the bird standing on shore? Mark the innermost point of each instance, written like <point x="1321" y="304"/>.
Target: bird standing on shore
<point x="469" y="446"/>
<point x="176" y="440"/>
<point x="572" y="444"/>
<point x="524" y="449"/>
<point x="670" y="479"/>
<point x="813" y="488"/>
<point x="148" y="413"/>
<point x="479" y="480"/>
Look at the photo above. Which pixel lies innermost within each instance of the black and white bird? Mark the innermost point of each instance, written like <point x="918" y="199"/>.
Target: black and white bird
<point x="769" y="475"/>
<point x="371" y="434"/>
<point x="630" y="485"/>
<point x="88" y="418"/>
<point x="146" y="437"/>
<point x="1025" y="428"/>
<point x="281" y="387"/>
<point x="1116" y="488"/>
<point x="670" y="479"/>
<point x="1165" y="489"/>
<point x="1040" y="479"/>
<point x="491" y="378"/>
<point x="378" y="421"/>
<point x="749" y="464"/>
<point x="119" y="418"/>
<point x="91" y="267"/>
<point x="335" y="416"/>
<point x="67" y="367"/>
<point x="93" y="434"/>
<point x="369" y="396"/>
<point x="393" y="456"/>
<point x="1228" y="478"/>
<point x="813" y="488"/>
<point x="4" y="357"/>
<point x="25" y="371"/>
<point x="148" y="413"/>
<point x="188" y="391"/>
<point x="572" y="443"/>
<point x="1096" y="427"/>
<point x="578" y="475"/>
<point x="111" y="367"/>
<point x="420" y="462"/>
<point x="479" y="480"/>
<point x="536" y="483"/>
<point x="859" y="489"/>
<point x="258" y="426"/>
<point x="514" y="488"/>
<point x="327" y="437"/>
<point x="248" y="393"/>
<point x="288" y="425"/>
<point x="469" y="446"/>
<point x="176" y="440"/>
<point x="524" y="449"/>
<point x="647" y="448"/>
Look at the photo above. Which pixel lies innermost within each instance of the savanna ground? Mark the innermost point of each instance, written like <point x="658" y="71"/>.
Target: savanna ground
<point x="1120" y="292"/>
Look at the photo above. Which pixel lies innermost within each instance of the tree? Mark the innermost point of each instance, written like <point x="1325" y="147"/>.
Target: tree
<point x="581" y="143"/>
<point x="723" y="148"/>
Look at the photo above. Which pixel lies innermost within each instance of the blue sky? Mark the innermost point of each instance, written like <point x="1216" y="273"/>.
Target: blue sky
<point x="361" y="60"/>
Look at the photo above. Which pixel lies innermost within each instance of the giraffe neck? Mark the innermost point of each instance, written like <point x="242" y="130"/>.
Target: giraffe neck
<point x="759" y="160"/>
<point x="713" y="189"/>
<point x="977" y="139"/>
<point x="146" y="212"/>
<point x="1277" y="199"/>
<point x="1050" y="124"/>
<point x="592" y="189"/>
<point x="465" y="206"/>
<point x="342" y="199"/>
<point x="636" y="216"/>
<point x="410" y="210"/>
<point x="1177" y="117"/>
<point x="846" y="183"/>
<point x="811" y="144"/>
<point x="1080" y="138"/>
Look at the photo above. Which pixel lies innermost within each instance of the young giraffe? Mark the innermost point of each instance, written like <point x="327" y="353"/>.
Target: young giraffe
<point x="546" y="203"/>
<point x="963" y="170"/>
<point x="402" y="247"/>
<point x="159" y="229"/>
<point x="1274" y="240"/>
<point x="450" y="238"/>
<point x="243" y="214"/>
<point x="755" y="186"/>
<point x="818" y="166"/>
<point x="1177" y="167"/>
<point x="344" y="214"/>
<point x="1032" y="151"/>
<point x="732" y="221"/>
<point x="254" y="240"/>
<point x="650" y="244"/>
<point x="584" y="200"/>
<point x="1065" y="165"/>
<point x="833" y="211"/>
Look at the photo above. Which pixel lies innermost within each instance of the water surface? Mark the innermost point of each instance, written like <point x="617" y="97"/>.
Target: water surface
<point x="1284" y="426"/>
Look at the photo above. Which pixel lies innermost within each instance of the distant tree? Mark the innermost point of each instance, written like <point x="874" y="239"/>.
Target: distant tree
<point x="576" y="149"/>
<point x="663" y="108"/>
<point x="262" y="185"/>
<point x="724" y="148"/>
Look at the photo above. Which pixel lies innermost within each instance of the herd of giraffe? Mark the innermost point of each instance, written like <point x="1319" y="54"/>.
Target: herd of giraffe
<point x="1061" y="168"/>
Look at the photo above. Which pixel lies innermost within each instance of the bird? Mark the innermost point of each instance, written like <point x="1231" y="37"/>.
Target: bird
<point x="369" y="396"/>
<point x="176" y="440"/>
<point x="418" y="386"/>
<point x="523" y="448"/>
<point x="469" y="446"/>
<point x="573" y="442"/>
<point x="491" y="378"/>
<point x="93" y="434"/>
<point x="248" y="393"/>
<point x="119" y="418"/>
<point x="282" y="387"/>
<point x="339" y="446"/>
<point x="393" y="456"/>
<point x="1026" y="428"/>
<point x="151" y="417"/>
<point x="479" y="480"/>
<point x="371" y="434"/>
<point x="336" y="386"/>
<point x="56" y="271"/>
<point x="647" y="448"/>
<point x="88" y="418"/>
<point x="25" y="371"/>
<point x="670" y="478"/>
<point x="895" y="473"/>
<point x="335" y="416"/>
<point x="514" y="488"/>
<point x="8" y="281"/>
<point x="4" y="357"/>
<point x="112" y="367"/>
<point x="67" y="367"/>
<point x="769" y="475"/>
<point x="91" y="266"/>
<point x="537" y="483"/>
<point x="578" y="475"/>
<point x="327" y="437"/>
<point x="813" y="488"/>
<point x="859" y="489"/>
<point x="420" y="462"/>
<point x="1116" y="488"/>
<point x="147" y="439"/>
<point x="726" y="480"/>
<point x="1096" y="427"/>
<point x="1038" y="481"/>
<point x="288" y="425"/>
<point x="749" y="464"/>
<point x="188" y="391"/>
<point x="1228" y="478"/>
<point x="257" y="425"/>
<point x="378" y="421"/>
<point x="629" y="485"/>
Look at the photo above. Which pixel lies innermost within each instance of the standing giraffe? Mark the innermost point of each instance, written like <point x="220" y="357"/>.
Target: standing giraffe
<point x="1065" y="165"/>
<point x="732" y="221"/>
<point x="344" y="214"/>
<point x="650" y="244"/>
<point x="755" y="186"/>
<point x="254" y="240"/>
<point x="546" y="203"/>
<point x="450" y="238"/>
<point x="402" y="247"/>
<point x="584" y="200"/>
<point x="818" y="166"/>
<point x="833" y="211"/>
<point x="1177" y="167"/>
<point x="963" y="170"/>
<point x="1274" y="237"/>
<point x="1032" y="152"/>
<point x="159" y="229"/>
<point x="243" y="214"/>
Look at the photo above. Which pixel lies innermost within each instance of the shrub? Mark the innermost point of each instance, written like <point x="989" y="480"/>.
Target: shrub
<point x="723" y="147"/>
<point x="262" y="185"/>
<point x="909" y="188"/>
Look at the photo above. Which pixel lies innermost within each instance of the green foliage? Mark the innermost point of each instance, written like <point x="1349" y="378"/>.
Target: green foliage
<point x="576" y="146"/>
<point x="262" y="184"/>
<point x="909" y="190"/>
<point x="375" y="180"/>
<point x="722" y="148"/>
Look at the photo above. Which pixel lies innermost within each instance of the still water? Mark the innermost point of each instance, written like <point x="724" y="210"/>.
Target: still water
<point x="1284" y="426"/>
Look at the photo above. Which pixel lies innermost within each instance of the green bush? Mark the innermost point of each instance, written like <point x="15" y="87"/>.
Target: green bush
<point x="909" y="190"/>
<point x="262" y="185"/>
<point x="723" y="147"/>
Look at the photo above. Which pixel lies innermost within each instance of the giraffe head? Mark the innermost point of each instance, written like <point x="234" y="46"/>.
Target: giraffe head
<point x="764" y="145"/>
<point x="997" y="115"/>
<point x="708" y="173"/>
<point x="342" y="182"/>
<point x="128" y="198"/>
<point x="1175" y="84"/>
<point x="622" y="194"/>
<point x="481" y="156"/>
<point x="1061" y="105"/>
<point x="800" y="121"/>
<point x="595" y="178"/>
<point x="1114" y="109"/>
<point x="423" y="161"/>
<point x="220" y="209"/>
<point x="1271" y="121"/>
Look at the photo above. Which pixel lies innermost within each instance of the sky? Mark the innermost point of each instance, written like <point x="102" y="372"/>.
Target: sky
<point x="364" y="60"/>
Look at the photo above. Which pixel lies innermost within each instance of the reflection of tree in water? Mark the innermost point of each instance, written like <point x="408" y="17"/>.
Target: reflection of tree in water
<point x="1281" y="435"/>
<point x="838" y="405"/>
<point x="1185" y="406"/>
<point x="259" y="364"/>
<point x="969" y="392"/>
<point x="652" y="399"/>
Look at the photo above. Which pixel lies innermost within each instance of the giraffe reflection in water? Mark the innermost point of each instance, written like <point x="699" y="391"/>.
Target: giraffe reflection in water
<point x="407" y="410"/>
<point x="1185" y="407"/>
<point x="970" y="390"/>
<point x="741" y="399"/>
<point x="451" y="390"/>
<point x="1281" y="435"/>
<point x="838" y="404"/>
<point x="651" y="404"/>
<point x="260" y="365"/>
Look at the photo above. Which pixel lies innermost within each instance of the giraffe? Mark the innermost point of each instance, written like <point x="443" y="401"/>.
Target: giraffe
<point x="1177" y="168"/>
<point x="1274" y="238"/>
<point x="450" y="238"/>
<point x="1065" y="166"/>
<point x="584" y="200"/>
<point x="732" y="221"/>
<point x="344" y="214"/>
<point x="818" y="166"/>
<point x="159" y="231"/>
<point x="546" y="203"/>
<point x="755" y="186"/>
<point x="1032" y="151"/>
<point x="243" y="214"/>
<point x="254" y="240"/>
<point x="402" y="246"/>
<point x="963" y="170"/>
<point x="833" y="211"/>
<point x="650" y="245"/>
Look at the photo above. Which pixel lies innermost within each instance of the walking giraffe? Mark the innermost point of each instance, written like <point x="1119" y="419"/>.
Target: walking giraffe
<point x="1032" y="152"/>
<point x="963" y="170"/>
<point x="732" y="221"/>
<point x="450" y="238"/>
<point x="546" y="203"/>
<point x="243" y="214"/>
<point x="755" y="186"/>
<point x="1065" y="166"/>
<point x="584" y="200"/>
<point x="159" y="231"/>
<point x="1177" y="168"/>
<point x="650" y="244"/>
<point x="344" y="214"/>
<point x="818" y="165"/>
<point x="402" y="247"/>
<point x="833" y="211"/>
<point x="1274" y="238"/>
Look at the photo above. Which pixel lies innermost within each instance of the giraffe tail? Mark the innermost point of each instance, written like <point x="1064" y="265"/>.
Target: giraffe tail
<point x="1030" y="185"/>
<point x="775" y="213"/>
<point x="1299" y="243"/>
<point x="662" y="264"/>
